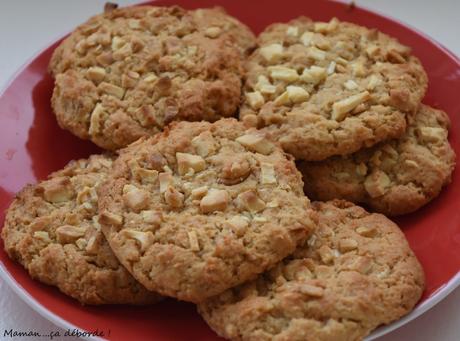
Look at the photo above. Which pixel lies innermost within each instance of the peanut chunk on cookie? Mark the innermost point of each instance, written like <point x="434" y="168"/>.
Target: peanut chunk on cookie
<point x="272" y="53"/>
<point x="256" y="142"/>
<point x="186" y="162"/>
<point x="341" y="108"/>
<point x="214" y="200"/>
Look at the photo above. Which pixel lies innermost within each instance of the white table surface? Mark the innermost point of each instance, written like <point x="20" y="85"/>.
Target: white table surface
<point x="27" y="26"/>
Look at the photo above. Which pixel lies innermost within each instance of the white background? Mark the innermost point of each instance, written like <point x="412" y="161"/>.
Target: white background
<point x="27" y="26"/>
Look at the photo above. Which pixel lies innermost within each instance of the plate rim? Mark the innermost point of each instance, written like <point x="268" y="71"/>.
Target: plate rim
<point x="419" y="310"/>
<point x="19" y="290"/>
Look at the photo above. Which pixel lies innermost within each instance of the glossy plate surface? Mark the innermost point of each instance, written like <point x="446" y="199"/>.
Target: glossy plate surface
<point x="32" y="145"/>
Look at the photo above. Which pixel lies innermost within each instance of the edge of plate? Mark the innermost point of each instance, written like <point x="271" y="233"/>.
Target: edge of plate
<point x="4" y="273"/>
<point x="454" y="282"/>
<point x="406" y="26"/>
<point x="35" y="305"/>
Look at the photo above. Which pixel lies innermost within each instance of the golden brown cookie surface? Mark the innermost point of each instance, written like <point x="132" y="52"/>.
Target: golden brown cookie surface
<point x="394" y="177"/>
<point x="355" y="273"/>
<point x="203" y="207"/>
<point x="324" y="89"/>
<point x="129" y="72"/>
<point x="52" y="229"/>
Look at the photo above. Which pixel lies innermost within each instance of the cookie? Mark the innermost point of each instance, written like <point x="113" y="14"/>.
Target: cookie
<point x="203" y="207"/>
<point x="52" y="229"/>
<point x="129" y="72"/>
<point x="355" y="273"/>
<point x="323" y="89"/>
<point x="394" y="177"/>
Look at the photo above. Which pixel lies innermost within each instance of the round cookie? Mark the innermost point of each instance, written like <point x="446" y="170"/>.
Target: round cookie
<point x="355" y="273"/>
<point x="394" y="177"/>
<point x="323" y="89"/>
<point x="52" y="229"/>
<point x="129" y="72"/>
<point x="202" y="207"/>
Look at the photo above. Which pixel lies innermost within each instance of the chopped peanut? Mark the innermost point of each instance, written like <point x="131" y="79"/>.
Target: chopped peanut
<point x="173" y="197"/>
<point x="250" y="201"/>
<point x="297" y="94"/>
<point x="283" y="73"/>
<point x="96" y="74"/>
<point x="186" y="161"/>
<point x="350" y="85"/>
<point x="150" y="77"/>
<point x="268" y="175"/>
<point x="146" y="176"/>
<point x="135" y="198"/>
<point x="341" y="108"/>
<point x="359" y="70"/>
<point x="166" y="180"/>
<point x="204" y="144"/>
<point x="69" y="234"/>
<point x="432" y="134"/>
<point x="316" y="54"/>
<point x="377" y="183"/>
<point x="326" y="254"/>
<point x="212" y="32"/>
<point x="366" y="231"/>
<point x="306" y="38"/>
<point x="282" y="99"/>
<point x="214" y="200"/>
<point x="42" y="235"/>
<point x="292" y="31"/>
<point x="256" y="143"/>
<point x="199" y="192"/>
<point x="238" y="224"/>
<point x="57" y="190"/>
<point x="111" y="218"/>
<point x="151" y="217"/>
<point x="96" y="120"/>
<point x="92" y="245"/>
<point x="135" y="24"/>
<point x="264" y="86"/>
<point x="117" y="43"/>
<point x="193" y="240"/>
<point x="145" y="239"/>
<point x="347" y="244"/>
<point x="272" y="53"/>
<point x="311" y="290"/>
<point x="255" y="99"/>
<point x="314" y="74"/>
<point x="112" y="90"/>
<point x="331" y="68"/>
<point x="81" y="243"/>
<point x="361" y="169"/>
<point x="374" y="81"/>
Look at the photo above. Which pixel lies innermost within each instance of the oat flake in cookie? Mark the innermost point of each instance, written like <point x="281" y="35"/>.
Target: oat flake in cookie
<point x="394" y="177"/>
<point x="203" y="207"/>
<point x="324" y="89"/>
<point x="355" y="273"/>
<point x="129" y="72"/>
<point x="52" y="229"/>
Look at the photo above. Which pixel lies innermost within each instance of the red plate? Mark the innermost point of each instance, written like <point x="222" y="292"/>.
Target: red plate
<point x="32" y="145"/>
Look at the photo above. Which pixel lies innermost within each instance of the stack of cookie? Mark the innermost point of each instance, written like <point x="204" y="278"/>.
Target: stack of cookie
<point x="194" y="204"/>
